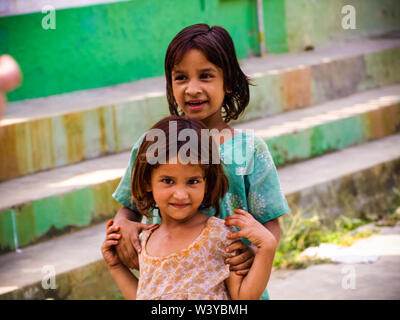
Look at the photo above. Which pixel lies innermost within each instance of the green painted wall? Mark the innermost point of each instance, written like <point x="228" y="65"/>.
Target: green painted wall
<point x="103" y="45"/>
<point x="108" y="44"/>
<point x="274" y="15"/>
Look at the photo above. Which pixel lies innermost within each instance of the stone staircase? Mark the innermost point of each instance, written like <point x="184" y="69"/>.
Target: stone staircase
<point x="331" y="118"/>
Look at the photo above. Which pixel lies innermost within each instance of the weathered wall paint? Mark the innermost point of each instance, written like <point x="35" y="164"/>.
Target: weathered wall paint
<point x="91" y="282"/>
<point x="40" y="134"/>
<point x="50" y="142"/>
<point x="47" y="217"/>
<point x="334" y="135"/>
<point x="383" y="68"/>
<point x="6" y="230"/>
<point x="339" y="84"/>
<point x="107" y="44"/>
<point x="297" y="88"/>
<point x="78" y="208"/>
<point x="312" y="23"/>
<point x="351" y="195"/>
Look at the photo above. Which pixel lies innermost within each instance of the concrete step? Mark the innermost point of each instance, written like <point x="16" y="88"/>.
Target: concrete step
<point x="49" y="132"/>
<point x="50" y="203"/>
<point x="304" y="133"/>
<point x="367" y="172"/>
<point x="61" y="199"/>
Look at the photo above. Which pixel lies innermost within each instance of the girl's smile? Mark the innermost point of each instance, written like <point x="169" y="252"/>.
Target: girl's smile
<point x="179" y="205"/>
<point x="198" y="87"/>
<point x="194" y="105"/>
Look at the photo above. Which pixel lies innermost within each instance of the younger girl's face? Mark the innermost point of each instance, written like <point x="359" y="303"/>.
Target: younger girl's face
<point x="198" y="87"/>
<point x="178" y="190"/>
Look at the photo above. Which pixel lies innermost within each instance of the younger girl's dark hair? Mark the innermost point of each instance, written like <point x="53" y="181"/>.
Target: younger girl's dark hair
<point x="217" y="45"/>
<point x="216" y="181"/>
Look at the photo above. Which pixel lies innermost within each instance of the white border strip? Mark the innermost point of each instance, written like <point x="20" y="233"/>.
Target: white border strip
<point x="17" y="7"/>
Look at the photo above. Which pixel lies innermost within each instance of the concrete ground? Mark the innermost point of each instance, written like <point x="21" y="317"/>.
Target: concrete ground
<point x="369" y="269"/>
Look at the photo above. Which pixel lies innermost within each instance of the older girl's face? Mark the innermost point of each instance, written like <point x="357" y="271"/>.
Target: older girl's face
<point x="198" y="87"/>
<point x="178" y="190"/>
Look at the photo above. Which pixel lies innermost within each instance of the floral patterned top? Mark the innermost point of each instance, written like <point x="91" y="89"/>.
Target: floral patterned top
<point x="197" y="272"/>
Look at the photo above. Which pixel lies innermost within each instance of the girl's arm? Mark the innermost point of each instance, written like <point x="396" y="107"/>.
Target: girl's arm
<point x="252" y="285"/>
<point x="124" y="278"/>
<point x="274" y="227"/>
<point x="242" y="262"/>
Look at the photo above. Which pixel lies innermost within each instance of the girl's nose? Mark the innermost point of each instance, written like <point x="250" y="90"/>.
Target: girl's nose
<point x="180" y="194"/>
<point x="193" y="88"/>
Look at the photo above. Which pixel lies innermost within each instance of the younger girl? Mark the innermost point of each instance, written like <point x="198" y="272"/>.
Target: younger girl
<point x="205" y="82"/>
<point x="184" y="257"/>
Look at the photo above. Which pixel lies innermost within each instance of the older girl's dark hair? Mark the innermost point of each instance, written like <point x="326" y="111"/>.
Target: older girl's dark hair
<point x="216" y="181"/>
<point x="217" y="45"/>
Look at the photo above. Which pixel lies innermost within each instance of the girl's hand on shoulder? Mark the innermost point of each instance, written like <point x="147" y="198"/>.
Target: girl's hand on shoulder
<point x="129" y="247"/>
<point x="251" y="229"/>
<point x="108" y="248"/>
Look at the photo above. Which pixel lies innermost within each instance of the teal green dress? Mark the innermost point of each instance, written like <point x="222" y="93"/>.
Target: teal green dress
<point x="253" y="180"/>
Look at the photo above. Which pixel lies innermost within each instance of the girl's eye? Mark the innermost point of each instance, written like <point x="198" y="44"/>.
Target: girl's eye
<point x="206" y="76"/>
<point x="167" y="181"/>
<point x="180" y="78"/>
<point x="193" y="181"/>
